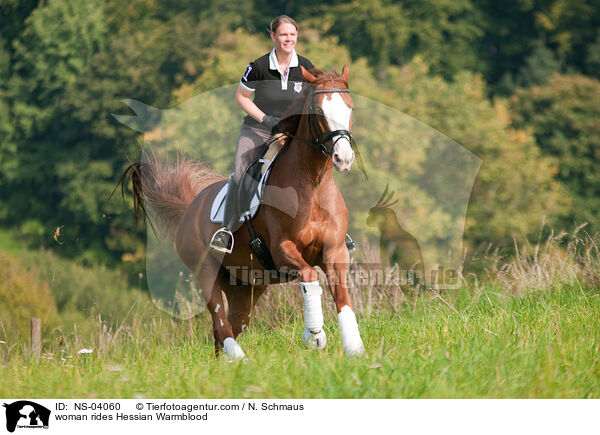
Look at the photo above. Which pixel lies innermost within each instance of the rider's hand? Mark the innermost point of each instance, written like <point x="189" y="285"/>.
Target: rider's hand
<point x="270" y="123"/>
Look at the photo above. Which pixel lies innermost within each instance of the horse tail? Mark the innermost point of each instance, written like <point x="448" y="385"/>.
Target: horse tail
<point x="168" y="188"/>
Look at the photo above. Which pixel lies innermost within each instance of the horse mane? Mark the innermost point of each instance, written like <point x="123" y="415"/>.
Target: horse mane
<point x="291" y="117"/>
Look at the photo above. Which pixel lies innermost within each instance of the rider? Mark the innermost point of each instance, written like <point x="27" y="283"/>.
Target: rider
<point x="275" y="79"/>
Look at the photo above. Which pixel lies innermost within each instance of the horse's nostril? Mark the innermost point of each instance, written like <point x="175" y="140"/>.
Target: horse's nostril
<point x="336" y="157"/>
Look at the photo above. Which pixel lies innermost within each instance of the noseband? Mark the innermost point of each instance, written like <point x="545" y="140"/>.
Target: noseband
<point x="317" y="142"/>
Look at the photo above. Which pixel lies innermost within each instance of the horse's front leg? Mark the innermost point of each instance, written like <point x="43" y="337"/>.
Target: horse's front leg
<point x="288" y="257"/>
<point x="336" y="264"/>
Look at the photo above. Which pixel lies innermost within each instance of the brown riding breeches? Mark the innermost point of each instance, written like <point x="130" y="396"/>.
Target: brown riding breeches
<point x="252" y="143"/>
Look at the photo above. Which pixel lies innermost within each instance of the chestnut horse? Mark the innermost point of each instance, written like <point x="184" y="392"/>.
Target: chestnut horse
<point x="318" y="138"/>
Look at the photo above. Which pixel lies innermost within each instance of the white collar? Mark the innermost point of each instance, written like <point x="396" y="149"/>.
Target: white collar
<point x="273" y="64"/>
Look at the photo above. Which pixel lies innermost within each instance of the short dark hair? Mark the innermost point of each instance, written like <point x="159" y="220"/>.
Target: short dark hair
<point x="280" y="20"/>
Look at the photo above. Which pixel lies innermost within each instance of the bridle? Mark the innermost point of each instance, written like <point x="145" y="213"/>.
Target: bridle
<point x="318" y="142"/>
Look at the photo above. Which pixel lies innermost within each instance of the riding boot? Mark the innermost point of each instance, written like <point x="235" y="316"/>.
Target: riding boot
<point x="222" y="240"/>
<point x="231" y="214"/>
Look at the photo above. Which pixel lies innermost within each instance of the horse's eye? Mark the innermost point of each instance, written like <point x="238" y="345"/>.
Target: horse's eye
<point x="320" y="111"/>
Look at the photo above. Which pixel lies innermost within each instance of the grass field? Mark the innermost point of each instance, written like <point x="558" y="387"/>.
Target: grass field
<point x="527" y="327"/>
<point x="544" y="345"/>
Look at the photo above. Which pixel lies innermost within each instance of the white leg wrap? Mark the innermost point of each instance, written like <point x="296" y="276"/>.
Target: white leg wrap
<point x="314" y="341"/>
<point x="313" y="313"/>
<point x="351" y="340"/>
<point x="233" y="350"/>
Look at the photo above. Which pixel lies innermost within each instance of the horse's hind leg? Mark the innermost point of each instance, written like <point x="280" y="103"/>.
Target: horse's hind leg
<point x="210" y="278"/>
<point x="240" y="300"/>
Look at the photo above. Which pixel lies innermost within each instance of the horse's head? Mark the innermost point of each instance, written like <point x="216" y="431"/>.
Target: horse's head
<point x="330" y="115"/>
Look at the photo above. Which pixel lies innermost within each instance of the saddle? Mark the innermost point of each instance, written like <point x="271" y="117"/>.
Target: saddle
<point x="252" y="186"/>
<point x="250" y="194"/>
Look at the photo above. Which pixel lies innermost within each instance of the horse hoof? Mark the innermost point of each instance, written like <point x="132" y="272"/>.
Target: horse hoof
<point x="233" y="350"/>
<point x="314" y="341"/>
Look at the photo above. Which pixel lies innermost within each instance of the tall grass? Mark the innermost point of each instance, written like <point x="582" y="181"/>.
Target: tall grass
<point x="559" y="259"/>
<point x="69" y="297"/>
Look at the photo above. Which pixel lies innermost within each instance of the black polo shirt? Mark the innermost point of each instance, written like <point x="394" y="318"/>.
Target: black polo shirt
<point x="273" y="91"/>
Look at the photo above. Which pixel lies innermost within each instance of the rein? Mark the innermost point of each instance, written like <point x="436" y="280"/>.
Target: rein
<point x="316" y="143"/>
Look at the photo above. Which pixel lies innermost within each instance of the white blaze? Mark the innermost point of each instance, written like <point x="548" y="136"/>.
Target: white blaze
<point x="338" y="116"/>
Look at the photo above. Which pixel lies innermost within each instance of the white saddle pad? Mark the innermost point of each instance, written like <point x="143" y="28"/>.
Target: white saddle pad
<point x="217" y="209"/>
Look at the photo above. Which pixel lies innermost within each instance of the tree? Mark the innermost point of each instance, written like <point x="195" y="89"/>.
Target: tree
<point x="392" y="33"/>
<point x="513" y="29"/>
<point x="70" y="65"/>
<point x="592" y="58"/>
<point x="59" y="44"/>
<point x="563" y="115"/>
<point x="13" y="14"/>
<point x="538" y="66"/>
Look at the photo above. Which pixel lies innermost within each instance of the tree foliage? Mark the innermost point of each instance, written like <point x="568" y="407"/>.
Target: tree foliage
<point x="392" y="33"/>
<point x="65" y="66"/>
<point x="564" y="117"/>
<point x="514" y="29"/>
<point x="514" y="189"/>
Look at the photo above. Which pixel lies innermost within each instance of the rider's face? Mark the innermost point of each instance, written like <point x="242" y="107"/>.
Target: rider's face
<point x="285" y="38"/>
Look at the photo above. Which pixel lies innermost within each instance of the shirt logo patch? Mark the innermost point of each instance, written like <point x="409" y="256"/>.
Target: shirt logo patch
<point x="248" y="69"/>
<point x="297" y="87"/>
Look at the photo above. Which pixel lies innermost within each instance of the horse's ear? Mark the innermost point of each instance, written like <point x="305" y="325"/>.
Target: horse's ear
<point x="345" y="73"/>
<point x="307" y="76"/>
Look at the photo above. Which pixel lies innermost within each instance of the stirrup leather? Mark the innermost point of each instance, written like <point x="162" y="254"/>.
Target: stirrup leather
<point x="225" y="250"/>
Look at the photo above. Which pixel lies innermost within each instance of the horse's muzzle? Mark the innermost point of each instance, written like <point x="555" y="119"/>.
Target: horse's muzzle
<point x="343" y="156"/>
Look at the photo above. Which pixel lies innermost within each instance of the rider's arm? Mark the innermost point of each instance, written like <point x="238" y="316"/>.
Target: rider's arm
<point x="242" y="97"/>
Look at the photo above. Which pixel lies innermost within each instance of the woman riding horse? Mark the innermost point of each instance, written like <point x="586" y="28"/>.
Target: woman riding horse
<point x="319" y="139"/>
<point x="275" y="79"/>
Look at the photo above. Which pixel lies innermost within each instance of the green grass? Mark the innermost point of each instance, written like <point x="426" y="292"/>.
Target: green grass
<point x="531" y="332"/>
<point x="544" y="345"/>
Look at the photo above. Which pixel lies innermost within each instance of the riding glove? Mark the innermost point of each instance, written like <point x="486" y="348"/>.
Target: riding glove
<point x="270" y="123"/>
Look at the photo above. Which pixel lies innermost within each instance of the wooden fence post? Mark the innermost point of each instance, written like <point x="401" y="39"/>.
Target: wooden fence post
<point x="36" y="338"/>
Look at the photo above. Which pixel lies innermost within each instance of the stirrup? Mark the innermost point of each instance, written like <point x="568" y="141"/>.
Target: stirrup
<point x="218" y="248"/>
<point x="351" y="244"/>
